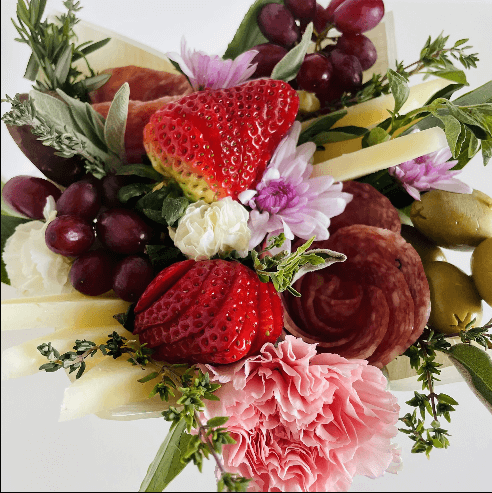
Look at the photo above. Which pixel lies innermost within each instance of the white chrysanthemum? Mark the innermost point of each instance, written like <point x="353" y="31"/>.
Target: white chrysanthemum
<point x="206" y="230"/>
<point x="31" y="266"/>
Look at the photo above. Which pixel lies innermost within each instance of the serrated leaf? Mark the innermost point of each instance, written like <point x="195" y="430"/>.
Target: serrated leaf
<point x="114" y="128"/>
<point x="287" y="68"/>
<point x="475" y="366"/>
<point x="248" y="33"/>
<point x="9" y="223"/>
<point x="167" y="463"/>
<point x="399" y="88"/>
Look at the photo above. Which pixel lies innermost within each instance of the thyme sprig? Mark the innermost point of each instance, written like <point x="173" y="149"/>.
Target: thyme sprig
<point x="422" y="356"/>
<point x="54" y="49"/>
<point x="193" y="385"/>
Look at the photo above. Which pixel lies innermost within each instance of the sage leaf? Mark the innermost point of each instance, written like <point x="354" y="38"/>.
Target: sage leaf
<point x="9" y="223"/>
<point x="114" y="128"/>
<point x="167" y="463"/>
<point x="248" y="33"/>
<point x="399" y="88"/>
<point x="475" y="366"/>
<point x="287" y="68"/>
<point x="329" y="257"/>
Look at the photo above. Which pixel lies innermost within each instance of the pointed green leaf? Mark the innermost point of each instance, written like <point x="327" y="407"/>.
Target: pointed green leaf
<point x="375" y="136"/>
<point x="167" y="463"/>
<point x="248" y="33"/>
<point x="114" y="128"/>
<point x="486" y="151"/>
<point x="63" y="65"/>
<point x="399" y="88"/>
<point x="322" y="124"/>
<point x="475" y="366"/>
<point x="452" y="74"/>
<point x="287" y="68"/>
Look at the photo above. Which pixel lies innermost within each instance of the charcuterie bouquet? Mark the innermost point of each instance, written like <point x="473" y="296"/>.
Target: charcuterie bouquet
<point x="249" y="246"/>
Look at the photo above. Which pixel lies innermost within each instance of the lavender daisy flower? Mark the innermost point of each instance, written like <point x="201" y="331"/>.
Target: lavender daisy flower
<point x="429" y="172"/>
<point x="288" y="200"/>
<point x="205" y="71"/>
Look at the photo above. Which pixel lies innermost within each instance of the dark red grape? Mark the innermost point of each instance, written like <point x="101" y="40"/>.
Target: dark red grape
<point x="110" y="186"/>
<point x="131" y="277"/>
<point x="302" y="9"/>
<point x="332" y="93"/>
<point x="358" y="16"/>
<point x="278" y="25"/>
<point x="123" y="231"/>
<point x="359" y="46"/>
<point x="315" y="73"/>
<point x="321" y="18"/>
<point x="268" y="56"/>
<point x="92" y="272"/>
<point x="347" y="70"/>
<point x="81" y="199"/>
<point x="332" y="6"/>
<point x="69" y="235"/>
<point x="27" y="195"/>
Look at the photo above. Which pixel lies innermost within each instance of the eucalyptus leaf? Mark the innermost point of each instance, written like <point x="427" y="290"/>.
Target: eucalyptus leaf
<point x="114" y="128"/>
<point x="287" y="68"/>
<point x="475" y="366"/>
<point x="399" y="88"/>
<point x="167" y="463"/>
<point x="248" y="33"/>
<point x="9" y="223"/>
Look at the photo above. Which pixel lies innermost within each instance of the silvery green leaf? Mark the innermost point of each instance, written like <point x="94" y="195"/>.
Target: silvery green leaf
<point x="329" y="257"/>
<point x="114" y="128"/>
<point x="32" y="68"/>
<point x="287" y="68"/>
<point x="80" y="120"/>
<point x="93" y="83"/>
<point x="475" y="366"/>
<point x="63" y="66"/>
<point x="399" y="88"/>
<point x="52" y="108"/>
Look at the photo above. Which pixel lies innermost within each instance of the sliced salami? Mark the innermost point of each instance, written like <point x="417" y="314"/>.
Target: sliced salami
<point x="368" y="207"/>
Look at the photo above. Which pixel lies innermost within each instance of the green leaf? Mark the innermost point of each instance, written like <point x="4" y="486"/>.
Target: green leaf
<point x="445" y="92"/>
<point x="133" y="190"/>
<point x="486" y="151"/>
<point x="399" y="88"/>
<point x="248" y="33"/>
<point x="32" y="68"/>
<point x="63" y="65"/>
<point x="452" y="128"/>
<point x="9" y="223"/>
<point x="475" y="366"/>
<point x="114" y="128"/>
<point x="149" y="377"/>
<point x="339" y="134"/>
<point x="90" y="49"/>
<point x="217" y="421"/>
<point x="320" y="125"/>
<point x="174" y="208"/>
<point x="376" y="136"/>
<point x="452" y="74"/>
<point x="167" y="463"/>
<point x="290" y="64"/>
<point x="142" y="170"/>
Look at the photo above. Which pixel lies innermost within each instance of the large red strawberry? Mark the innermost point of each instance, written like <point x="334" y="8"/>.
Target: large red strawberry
<point x="213" y="311"/>
<point x="217" y="143"/>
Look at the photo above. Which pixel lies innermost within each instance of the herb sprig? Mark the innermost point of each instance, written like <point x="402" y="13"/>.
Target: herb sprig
<point x="422" y="356"/>
<point x="54" y="50"/>
<point x="193" y="385"/>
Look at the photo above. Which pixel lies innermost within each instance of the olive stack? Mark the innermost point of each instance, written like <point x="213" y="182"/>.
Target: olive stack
<point x="460" y="222"/>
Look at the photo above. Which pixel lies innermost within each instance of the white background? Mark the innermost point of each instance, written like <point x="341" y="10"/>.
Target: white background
<point x="89" y="454"/>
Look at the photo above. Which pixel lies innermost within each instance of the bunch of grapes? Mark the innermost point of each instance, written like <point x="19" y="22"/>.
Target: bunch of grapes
<point x="336" y="65"/>
<point x="106" y="239"/>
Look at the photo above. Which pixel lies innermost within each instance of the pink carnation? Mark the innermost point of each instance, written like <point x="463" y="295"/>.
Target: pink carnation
<point x="304" y="421"/>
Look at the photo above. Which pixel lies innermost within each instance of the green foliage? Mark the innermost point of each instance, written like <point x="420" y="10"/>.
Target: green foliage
<point x="54" y="49"/>
<point x="284" y="269"/>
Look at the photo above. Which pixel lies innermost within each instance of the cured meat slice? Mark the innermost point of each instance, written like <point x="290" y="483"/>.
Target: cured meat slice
<point x="374" y="305"/>
<point x="368" y="207"/>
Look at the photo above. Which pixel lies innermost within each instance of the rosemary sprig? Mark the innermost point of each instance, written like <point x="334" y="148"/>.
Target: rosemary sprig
<point x="54" y="50"/>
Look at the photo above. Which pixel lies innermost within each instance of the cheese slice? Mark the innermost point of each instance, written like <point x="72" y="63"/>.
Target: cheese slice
<point x="25" y="359"/>
<point x="110" y="385"/>
<point x="382" y="156"/>
<point x="373" y="112"/>
<point x="61" y="311"/>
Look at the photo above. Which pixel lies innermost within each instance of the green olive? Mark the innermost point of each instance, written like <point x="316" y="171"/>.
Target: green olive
<point x="455" y="301"/>
<point x="481" y="269"/>
<point x="428" y="251"/>
<point x="458" y="221"/>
